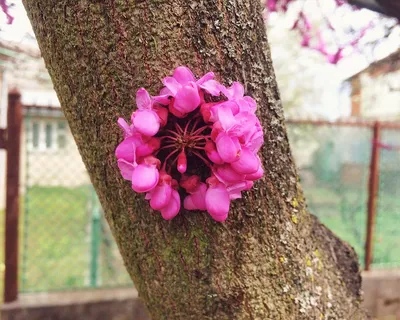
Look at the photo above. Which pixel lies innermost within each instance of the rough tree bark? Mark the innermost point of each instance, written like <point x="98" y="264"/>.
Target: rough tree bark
<point x="271" y="259"/>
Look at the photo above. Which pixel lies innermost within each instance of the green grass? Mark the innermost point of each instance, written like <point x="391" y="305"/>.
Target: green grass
<point x="344" y="211"/>
<point x="55" y="248"/>
<point x="55" y="235"/>
<point x="55" y="242"/>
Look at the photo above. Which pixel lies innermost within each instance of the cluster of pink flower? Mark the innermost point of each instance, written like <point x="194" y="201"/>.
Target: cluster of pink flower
<point x="198" y="135"/>
<point x="313" y="37"/>
<point x="6" y="10"/>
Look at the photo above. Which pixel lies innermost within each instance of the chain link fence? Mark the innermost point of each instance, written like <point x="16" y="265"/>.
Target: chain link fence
<point x="66" y="242"/>
<point x="333" y="162"/>
<point x="387" y="234"/>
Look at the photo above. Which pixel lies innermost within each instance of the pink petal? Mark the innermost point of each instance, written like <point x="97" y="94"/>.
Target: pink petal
<point x="162" y="99"/>
<point x="236" y="90"/>
<point x="199" y="197"/>
<point x="144" y="178"/>
<point x="187" y="99"/>
<point x="172" y="85"/>
<point x="235" y="190"/>
<point x="149" y="147"/>
<point x="176" y="112"/>
<point x="227" y="175"/>
<point x="183" y="75"/>
<point x="126" y="169"/>
<point x="126" y="149"/>
<point x="247" y="163"/>
<point x="257" y="175"/>
<point x="208" y="111"/>
<point x="182" y="162"/>
<point x="162" y="113"/>
<point x="212" y="154"/>
<point x="206" y="77"/>
<point x="225" y="115"/>
<point x="173" y="207"/>
<point x="160" y="196"/>
<point x="188" y="203"/>
<point x="190" y="183"/>
<point x="217" y="202"/>
<point x="212" y="87"/>
<point x="245" y="123"/>
<point x="125" y="126"/>
<point x="251" y="103"/>
<point x="256" y="141"/>
<point x="227" y="147"/>
<point x="146" y="122"/>
<point x="143" y="100"/>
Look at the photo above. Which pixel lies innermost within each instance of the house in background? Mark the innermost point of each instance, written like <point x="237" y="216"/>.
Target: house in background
<point x="375" y="91"/>
<point x="372" y="94"/>
<point x="49" y="156"/>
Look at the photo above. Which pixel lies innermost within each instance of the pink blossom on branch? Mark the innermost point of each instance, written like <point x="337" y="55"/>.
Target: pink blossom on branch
<point x="196" y="141"/>
<point x="312" y="36"/>
<point x="6" y="9"/>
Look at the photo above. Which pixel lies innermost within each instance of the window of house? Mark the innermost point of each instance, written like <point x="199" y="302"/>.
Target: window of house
<point x="61" y="134"/>
<point x="35" y="135"/>
<point x="48" y="134"/>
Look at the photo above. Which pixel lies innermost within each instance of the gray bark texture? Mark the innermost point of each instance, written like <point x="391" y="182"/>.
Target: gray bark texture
<point x="271" y="259"/>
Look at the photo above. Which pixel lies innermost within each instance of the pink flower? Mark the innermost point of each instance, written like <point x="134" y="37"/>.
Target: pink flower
<point x="182" y="162"/>
<point x="227" y="141"/>
<point x="247" y="163"/>
<point x="185" y="89"/>
<point x="145" y="175"/>
<point x="164" y="198"/>
<point x="172" y="208"/>
<point x="160" y="196"/>
<point x="163" y="146"/>
<point x="196" y="200"/>
<point x="212" y="153"/>
<point x="236" y="93"/>
<point x="146" y="119"/>
<point x="136" y="145"/>
<point x="217" y="200"/>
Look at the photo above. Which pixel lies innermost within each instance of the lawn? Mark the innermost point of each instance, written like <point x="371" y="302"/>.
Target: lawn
<point x="344" y="211"/>
<point x="57" y="245"/>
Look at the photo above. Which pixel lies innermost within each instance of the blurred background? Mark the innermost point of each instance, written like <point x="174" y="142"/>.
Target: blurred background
<point x="338" y="70"/>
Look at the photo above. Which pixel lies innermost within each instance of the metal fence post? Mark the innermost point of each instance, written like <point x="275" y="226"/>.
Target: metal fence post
<point x="372" y="194"/>
<point x="14" y="123"/>
<point x="95" y="240"/>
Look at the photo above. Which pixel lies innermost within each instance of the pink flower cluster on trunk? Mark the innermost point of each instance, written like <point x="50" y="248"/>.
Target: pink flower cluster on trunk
<point x="197" y="141"/>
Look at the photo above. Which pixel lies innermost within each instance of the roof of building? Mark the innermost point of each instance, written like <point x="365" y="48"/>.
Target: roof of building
<point x="386" y="65"/>
<point x="25" y="70"/>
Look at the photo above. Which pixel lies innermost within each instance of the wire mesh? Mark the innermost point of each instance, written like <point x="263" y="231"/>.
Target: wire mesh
<point x="386" y="250"/>
<point x="333" y="163"/>
<point x="66" y="242"/>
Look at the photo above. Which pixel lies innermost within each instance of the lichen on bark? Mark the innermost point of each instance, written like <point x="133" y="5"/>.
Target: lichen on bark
<point x="271" y="259"/>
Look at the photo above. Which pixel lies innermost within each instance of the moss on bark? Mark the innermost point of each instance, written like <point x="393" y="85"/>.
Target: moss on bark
<point x="271" y="259"/>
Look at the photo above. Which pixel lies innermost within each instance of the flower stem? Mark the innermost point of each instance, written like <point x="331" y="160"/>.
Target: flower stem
<point x="169" y="156"/>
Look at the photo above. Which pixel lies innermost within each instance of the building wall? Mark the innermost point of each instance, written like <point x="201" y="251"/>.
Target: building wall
<point x="380" y="96"/>
<point x="54" y="166"/>
<point x="375" y="91"/>
<point x="46" y="167"/>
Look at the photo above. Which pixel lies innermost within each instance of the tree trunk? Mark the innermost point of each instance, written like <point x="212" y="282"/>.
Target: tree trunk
<point x="271" y="259"/>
